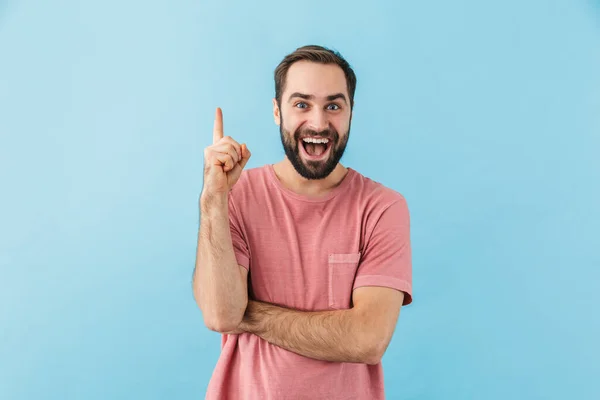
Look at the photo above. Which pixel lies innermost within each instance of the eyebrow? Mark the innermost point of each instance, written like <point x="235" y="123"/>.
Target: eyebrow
<point x="311" y="97"/>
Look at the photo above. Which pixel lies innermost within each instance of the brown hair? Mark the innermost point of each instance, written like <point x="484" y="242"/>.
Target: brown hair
<point x="317" y="54"/>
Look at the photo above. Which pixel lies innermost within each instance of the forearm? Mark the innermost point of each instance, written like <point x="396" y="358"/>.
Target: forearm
<point x="338" y="336"/>
<point x="218" y="286"/>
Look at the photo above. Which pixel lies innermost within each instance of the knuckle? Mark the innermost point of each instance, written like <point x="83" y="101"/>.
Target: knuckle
<point x="231" y="140"/>
<point x="232" y="152"/>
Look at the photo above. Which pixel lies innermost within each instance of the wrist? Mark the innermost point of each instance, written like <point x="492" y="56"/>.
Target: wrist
<point x="253" y="320"/>
<point x="210" y="202"/>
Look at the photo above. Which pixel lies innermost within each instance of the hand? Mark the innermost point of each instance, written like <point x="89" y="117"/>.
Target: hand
<point x="237" y="331"/>
<point x="250" y="320"/>
<point x="224" y="161"/>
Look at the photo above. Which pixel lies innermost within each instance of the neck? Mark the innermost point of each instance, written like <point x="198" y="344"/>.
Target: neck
<point x="291" y="179"/>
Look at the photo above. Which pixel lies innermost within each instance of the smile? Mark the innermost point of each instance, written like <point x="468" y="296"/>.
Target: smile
<point x="315" y="149"/>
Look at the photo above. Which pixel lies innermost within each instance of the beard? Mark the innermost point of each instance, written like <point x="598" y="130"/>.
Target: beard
<point x="311" y="169"/>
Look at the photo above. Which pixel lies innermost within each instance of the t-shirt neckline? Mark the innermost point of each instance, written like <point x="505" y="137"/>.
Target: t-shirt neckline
<point x="332" y="193"/>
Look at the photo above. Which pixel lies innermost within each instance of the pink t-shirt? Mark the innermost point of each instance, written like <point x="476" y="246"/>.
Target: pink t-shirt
<point x="309" y="254"/>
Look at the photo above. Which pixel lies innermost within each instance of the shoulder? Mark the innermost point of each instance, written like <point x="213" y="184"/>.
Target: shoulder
<point x="250" y="182"/>
<point x="375" y="195"/>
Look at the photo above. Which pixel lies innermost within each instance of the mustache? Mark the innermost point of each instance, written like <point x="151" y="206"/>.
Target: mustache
<point x="328" y="133"/>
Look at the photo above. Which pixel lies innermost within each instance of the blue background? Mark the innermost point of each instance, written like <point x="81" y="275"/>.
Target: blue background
<point x="485" y="115"/>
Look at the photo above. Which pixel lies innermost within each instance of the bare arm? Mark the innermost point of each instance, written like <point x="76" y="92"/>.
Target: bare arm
<point x="357" y="335"/>
<point x="220" y="284"/>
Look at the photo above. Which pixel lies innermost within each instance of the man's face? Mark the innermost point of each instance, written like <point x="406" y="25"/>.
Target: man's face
<point x="315" y="105"/>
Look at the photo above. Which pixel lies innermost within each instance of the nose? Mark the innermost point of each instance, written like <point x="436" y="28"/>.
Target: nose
<point x="318" y="120"/>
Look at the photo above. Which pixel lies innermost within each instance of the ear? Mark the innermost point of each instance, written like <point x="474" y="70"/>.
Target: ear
<point x="276" y="112"/>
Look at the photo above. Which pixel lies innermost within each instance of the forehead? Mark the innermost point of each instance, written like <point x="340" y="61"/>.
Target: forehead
<point x="316" y="79"/>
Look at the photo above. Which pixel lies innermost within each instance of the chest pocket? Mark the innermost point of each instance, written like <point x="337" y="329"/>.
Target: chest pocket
<point x="342" y="271"/>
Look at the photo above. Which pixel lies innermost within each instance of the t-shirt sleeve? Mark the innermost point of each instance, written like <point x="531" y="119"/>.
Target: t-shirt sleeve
<point x="386" y="259"/>
<point x="238" y="238"/>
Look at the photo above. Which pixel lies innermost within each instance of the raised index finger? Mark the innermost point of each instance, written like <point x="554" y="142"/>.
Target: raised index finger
<point x="218" y="126"/>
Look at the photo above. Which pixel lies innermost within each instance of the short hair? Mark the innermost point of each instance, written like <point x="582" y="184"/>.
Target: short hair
<point x="317" y="54"/>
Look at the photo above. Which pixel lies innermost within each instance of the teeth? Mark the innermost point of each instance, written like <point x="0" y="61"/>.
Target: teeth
<point x="314" y="140"/>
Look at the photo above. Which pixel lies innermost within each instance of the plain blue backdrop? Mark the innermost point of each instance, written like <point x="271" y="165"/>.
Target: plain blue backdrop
<point x="484" y="115"/>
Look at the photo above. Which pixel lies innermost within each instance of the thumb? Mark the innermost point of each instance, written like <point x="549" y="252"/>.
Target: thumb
<point x="237" y="169"/>
<point x="245" y="155"/>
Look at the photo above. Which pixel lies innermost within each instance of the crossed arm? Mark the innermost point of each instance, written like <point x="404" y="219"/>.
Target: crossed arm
<point x="357" y="335"/>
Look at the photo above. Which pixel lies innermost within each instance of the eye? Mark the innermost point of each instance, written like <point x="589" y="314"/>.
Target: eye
<point x="301" y="103"/>
<point x="335" y="107"/>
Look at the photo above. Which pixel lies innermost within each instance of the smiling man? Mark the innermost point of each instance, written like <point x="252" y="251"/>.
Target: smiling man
<point x="302" y="265"/>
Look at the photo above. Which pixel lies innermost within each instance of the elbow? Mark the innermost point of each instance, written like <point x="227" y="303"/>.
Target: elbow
<point x="219" y="320"/>
<point x="223" y="322"/>
<point x="373" y="357"/>
<point x="374" y="351"/>
<point x="222" y="326"/>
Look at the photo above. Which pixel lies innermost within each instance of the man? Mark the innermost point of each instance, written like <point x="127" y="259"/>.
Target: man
<point x="302" y="265"/>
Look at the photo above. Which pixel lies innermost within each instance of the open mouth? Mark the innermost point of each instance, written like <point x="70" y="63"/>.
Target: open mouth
<point x="315" y="149"/>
